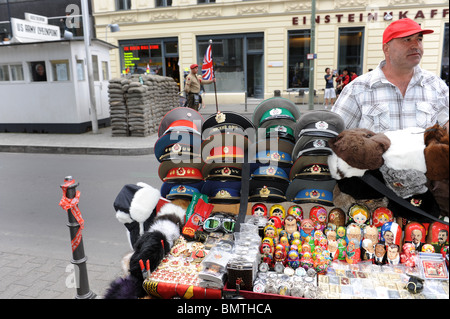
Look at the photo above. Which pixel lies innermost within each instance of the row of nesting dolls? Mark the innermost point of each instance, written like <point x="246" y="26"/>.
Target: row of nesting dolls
<point x="280" y="169"/>
<point x="358" y="241"/>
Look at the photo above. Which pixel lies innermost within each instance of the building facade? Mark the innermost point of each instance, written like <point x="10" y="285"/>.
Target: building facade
<point x="263" y="45"/>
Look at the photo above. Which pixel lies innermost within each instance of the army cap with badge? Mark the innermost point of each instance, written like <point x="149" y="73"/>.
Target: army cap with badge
<point x="287" y="113"/>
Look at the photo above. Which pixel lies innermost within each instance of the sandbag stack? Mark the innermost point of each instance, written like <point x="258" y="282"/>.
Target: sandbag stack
<point x="139" y="102"/>
<point x="117" y="106"/>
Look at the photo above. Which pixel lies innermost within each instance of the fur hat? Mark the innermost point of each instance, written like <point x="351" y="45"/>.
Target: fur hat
<point x="137" y="205"/>
<point x="345" y="201"/>
<point x="404" y="182"/>
<point x="406" y="150"/>
<point x="360" y="148"/>
<point x="437" y="153"/>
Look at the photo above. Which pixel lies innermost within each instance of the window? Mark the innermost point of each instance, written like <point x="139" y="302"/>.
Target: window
<point x="123" y="4"/>
<point x="60" y="70"/>
<point x="163" y="3"/>
<point x="4" y="73"/>
<point x="80" y="70"/>
<point x="105" y="71"/>
<point x="16" y="72"/>
<point x="95" y="70"/>
<point x="205" y="1"/>
<point x="299" y="47"/>
<point x="237" y="61"/>
<point x="350" y="53"/>
<point x="38" y="71"/>
<point x="445" y="62"/>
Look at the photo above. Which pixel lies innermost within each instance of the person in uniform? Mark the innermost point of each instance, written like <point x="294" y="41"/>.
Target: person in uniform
<point x="192" y="87"/>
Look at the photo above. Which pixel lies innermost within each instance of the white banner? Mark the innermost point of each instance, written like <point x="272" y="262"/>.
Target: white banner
<point x="27" y="31"/>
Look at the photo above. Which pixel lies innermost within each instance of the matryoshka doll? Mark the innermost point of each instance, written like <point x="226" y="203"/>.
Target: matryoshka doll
<point x="415" y="233"/>
<point x="380" y="254"/>
<point x="437" y="236"/>
<point x="306" y="228"/>
<point x="336" y="218"/>
<point x="359" y="214"/>
<point x="306" y="261"/>
<point x="267" y="253"/>
<point x="353" y="251"/>
<point x="297" y="212"/>
<point x="293" y="259"/>
<point x="290" y="224"/>
<point x="428" y="248"/>
<point x="391" y="233"/>
<point x="275" y="221"/>
<point x="284" y="241"/>
<point x="318" y="215"/>
<point x="280" y="254"/>
<point x="380" y="216"/>
<point x="259" y="210"/>
<point x="408" y="255"/>
<point x="272" y="232"/>
<point x="277" y="210"/>
<point x="341" y="242"/>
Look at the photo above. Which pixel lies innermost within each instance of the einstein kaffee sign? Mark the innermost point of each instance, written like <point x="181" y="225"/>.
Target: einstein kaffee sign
<point x="34" y="29"/>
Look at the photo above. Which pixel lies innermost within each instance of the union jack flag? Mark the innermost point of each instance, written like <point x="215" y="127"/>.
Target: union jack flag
<point x="207" y="67"/>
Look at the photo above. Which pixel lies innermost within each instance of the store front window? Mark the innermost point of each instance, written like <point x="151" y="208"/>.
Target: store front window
<point x="150" y="56"/>
<point x="445" y="59"/>
<point x="238" y="62"/>
<point x="299" y="44"/>
<point x="350" y="52"/>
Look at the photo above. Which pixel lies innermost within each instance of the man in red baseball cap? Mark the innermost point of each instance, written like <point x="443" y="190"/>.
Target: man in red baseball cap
<point x="192" y="87"/>
<point x="397" y="94"/>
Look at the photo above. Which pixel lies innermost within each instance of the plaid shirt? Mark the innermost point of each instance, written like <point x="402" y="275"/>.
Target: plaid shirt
<point x="372" y="102"/>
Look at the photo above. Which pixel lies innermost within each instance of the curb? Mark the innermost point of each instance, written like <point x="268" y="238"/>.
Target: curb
<point x="76" y="150"/>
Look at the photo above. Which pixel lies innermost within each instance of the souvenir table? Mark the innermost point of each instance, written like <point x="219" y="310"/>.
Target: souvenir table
<point x="326" y="212"/>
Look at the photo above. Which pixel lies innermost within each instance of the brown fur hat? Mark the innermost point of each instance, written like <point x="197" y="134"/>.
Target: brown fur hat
<point x="437" y="153"/>
<point x="360" y="148"/>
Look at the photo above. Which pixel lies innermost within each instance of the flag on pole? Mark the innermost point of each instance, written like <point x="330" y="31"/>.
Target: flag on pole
<point x="207" y="67"/>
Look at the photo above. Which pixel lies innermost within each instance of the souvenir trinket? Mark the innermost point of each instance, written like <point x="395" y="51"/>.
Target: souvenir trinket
<point x="336" y="218"/>
<point x="415" y="233"/>
<point x="408" y="255"/>
<point x="428" y="248"/>
<point x="259" y="210"/>
<point x="382" y="215"/>
<point x="280" y="254"/>
<point x="306" y="228"/>
<point x="415" y="284"/>
<point x="296" y="211"/>
<point x="306" y="261"/>
<point x="371" y="232"/>
<point x="290" y="224"/>
<point x="359" y="214"/>
<point x="318" y="215"/>
<point x="277" y="210"/>
<point x="367" y="249"/>
<point x="271" y="232"/>
<point x="393" y="254"/>
<point x="293" y="259"/>
<point x="380" y="254"/>
<point x="391" y="233"/>
<point x="437" y="236"/>
<point x="278" y="267"/>
<point x="353" y="251"/>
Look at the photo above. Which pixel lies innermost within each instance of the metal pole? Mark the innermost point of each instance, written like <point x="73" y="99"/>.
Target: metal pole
<point x="312" y="50"/>
<point x="78" y="256"/>
<point x="90" y="69"/>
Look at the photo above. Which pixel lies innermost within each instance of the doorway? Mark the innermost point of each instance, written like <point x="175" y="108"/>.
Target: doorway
<point x="255" y="68"/>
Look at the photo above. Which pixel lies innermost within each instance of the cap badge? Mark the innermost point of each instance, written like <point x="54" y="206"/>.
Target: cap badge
<point x="176" y="147"/>
<point x="275" y="111"/>
<point x="220" y="117"/>
<point x="321" y="125"/>
<point x="181" y="189"/>
<point x="226" y="150"/>
<point x="181" y="171"/>
<point x="270" y="170"/>
<point x="416" y="202"/>
<point x="275" y="156"/>
<point x="226" y="171"/>
<point x="280" y="128"/>
<point x="223" y="194"/>
<point x="264" y="192"/>
<point x="319" y="143"/>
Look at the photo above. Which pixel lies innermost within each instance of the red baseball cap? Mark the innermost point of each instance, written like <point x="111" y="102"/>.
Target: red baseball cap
<point x="402" y="28"/>
<point x="194" y="66"/>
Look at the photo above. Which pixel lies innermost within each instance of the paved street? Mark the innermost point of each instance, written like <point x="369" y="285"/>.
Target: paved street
<point x="34" y="239"/>
<point x="35" y="248"/>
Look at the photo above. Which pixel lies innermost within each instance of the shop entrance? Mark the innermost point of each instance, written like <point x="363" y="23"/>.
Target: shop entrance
<point x="255" y="68"/>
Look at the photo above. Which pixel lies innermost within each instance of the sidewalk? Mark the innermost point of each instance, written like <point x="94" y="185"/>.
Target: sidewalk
<point x="103" y="143"/>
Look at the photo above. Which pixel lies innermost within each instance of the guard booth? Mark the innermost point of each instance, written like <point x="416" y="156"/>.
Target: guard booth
<point x="44" y="84"/>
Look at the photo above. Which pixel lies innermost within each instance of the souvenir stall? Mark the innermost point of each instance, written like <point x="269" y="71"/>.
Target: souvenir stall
<point x="287" y="205"/>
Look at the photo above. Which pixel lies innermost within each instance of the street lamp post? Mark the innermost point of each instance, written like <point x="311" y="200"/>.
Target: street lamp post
<point x="87" y="46"/>
<point x="311" y="61"/>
